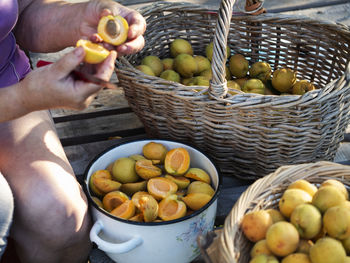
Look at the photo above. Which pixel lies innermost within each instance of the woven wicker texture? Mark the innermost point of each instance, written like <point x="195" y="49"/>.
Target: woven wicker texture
<point x="247" y="135"/>
<point x="265" y="193"/>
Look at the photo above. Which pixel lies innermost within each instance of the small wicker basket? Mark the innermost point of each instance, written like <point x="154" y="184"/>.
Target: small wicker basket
<point x="231" y="246"/>
<point x="247" y="135"/>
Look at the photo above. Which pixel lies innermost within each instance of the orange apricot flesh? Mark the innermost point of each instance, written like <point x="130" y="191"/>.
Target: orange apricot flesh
<point x="177" y="161"/>
<point x="125" y="210"/>
<point x="200" y="187"/>
<point x="113" y="29"/>
<point x="155" y="151"/>
<point x="94" y="53"/>
<point x="161" y="187"/>
<point x="106" y="185"/>
<point x="170" y="208"/>
<point x="114" y="199"/>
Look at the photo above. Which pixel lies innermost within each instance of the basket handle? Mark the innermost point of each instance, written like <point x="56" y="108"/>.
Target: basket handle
<point x="218" y="84"/>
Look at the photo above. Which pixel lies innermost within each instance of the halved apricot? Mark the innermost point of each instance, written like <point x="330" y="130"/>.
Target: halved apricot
<point x="98" y="174"/>
<point x="114" y="199"/>
<point x="196" y="201"/>
<point x="177" y="161"/>
<point x="155" y="151"/>
<point x="131" y="188"/>
<point x="125" y="210"/>
<point x="147" y="205"/>
<point x="200" y="187"/>
<point x="171" y="208"/>
<point x="106" y="185"/>
<point x="97" y="201"/>
<point x="146" y="170"/>
<point x="113" y="29"/>
<point x="94" y="53"/>
<point x="181" y="181"/>
<point x="198" y="174"/>
<point x="161" y="187"/>
<point x="137" y="218"/>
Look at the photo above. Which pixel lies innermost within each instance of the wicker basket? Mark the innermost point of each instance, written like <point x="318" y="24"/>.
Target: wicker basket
<point x="247" y="135"/>
<point x="230" y="245"/>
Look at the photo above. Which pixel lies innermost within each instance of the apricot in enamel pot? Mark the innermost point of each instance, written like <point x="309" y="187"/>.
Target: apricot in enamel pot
<point x="113" y="29"/>
<point x="131" y="188"/>
<point x="125" y="210"/>
<point x="137" y="157"/>
<point x="124" y="170"/>
<point x="200" y="187"/>
<point x="146" y="170"/>
<point x="98" y="174"/>
<point x="171" y="208"/>
<point x="177" y="161"/>
<point x="137" y="218"/>
<point x="97" y="201"/>
<point x="196" y="201"/>
<point x="146" y="204"/>
<point x="198" y="174"/>
<point x="181" y="181"/>
<point x="154" y="151"/>
<point x="161" y="187"/>
<point x="113" y="199"/>
<point x="94" y="53"/>
<point x="106" y="185"/>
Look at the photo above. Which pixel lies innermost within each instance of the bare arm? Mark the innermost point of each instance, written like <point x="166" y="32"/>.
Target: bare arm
<point x="48" y="25"/>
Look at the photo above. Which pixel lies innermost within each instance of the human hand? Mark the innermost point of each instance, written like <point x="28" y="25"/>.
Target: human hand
<point x="53" y="86"/>
<point x="95" y="9"/>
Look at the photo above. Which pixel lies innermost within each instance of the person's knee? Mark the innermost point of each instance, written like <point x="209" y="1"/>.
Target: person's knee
<point x="6" y="212"/>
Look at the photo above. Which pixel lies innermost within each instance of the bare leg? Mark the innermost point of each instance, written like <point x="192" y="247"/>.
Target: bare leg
<point x="51" y="220"/>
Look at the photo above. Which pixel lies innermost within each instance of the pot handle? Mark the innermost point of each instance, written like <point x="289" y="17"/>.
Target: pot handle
<point x="112" y="247"/>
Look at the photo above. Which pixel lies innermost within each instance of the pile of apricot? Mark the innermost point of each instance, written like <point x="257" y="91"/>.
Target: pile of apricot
<point x="157" y="185"/>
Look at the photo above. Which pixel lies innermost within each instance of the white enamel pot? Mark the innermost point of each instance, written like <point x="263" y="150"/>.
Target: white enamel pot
<point x="156" y="242"/>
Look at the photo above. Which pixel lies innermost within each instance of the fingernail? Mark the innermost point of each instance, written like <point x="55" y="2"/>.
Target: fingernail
<point x="79" y="51"/>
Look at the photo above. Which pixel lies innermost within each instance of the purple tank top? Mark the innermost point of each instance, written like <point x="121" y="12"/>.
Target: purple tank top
<point x="14" y="64"/>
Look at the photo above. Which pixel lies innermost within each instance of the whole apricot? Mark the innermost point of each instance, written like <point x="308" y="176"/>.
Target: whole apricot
<point x="155" y="151"/>
<point x="327" y="250"/>
<point x="296" y="258"/>
<point x="180" y="46"/>
<point x="196" y="201"/>
<point x="290" y="199"/>
<point x="200" y="187"/>
<point x="255" y="225"/>
<point x="337" y="184"/>
<point x="302" y="184"/>
<point x="336" y="222"/>
<point x="124" y="170"/>
<point x="276" y="215"/>
<point x="260" y="248"/>
<point x="327" y="196"/>
<point x="239" y="65"/>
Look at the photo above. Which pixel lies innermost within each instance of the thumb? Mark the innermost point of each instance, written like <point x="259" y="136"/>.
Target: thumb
<point x="68" y="62"/>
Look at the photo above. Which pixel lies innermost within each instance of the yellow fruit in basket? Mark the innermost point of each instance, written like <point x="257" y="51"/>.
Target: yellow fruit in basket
<point x="209" y="51"/>
<point x="302" y="184"/>
<point x="202" y="64"/>
<point x="260" y="70"/>
<point x="260" y="248"/>
<point x="326" y="197"/>
<point x="346" y="260"/>
<point x="337" y="184"/>
<point x="283" y="79"/>
<point x="239" y="65"/>
<point x="255" y="224"/>
<point x="145" y="69"/>
<point x="336" y="222"/>
<point x="113" y="29"/>
<point x="124" y="170"/>
<point x="276" y="215"/>
<point x="180" y="46"/>
<point x="346" y="244"/>
<point x="170" y="75"/>
<point x="327" y="250"/>
<point x="282" y="238"/>
<point x="185" y="65"/>
<point x="307" y="219"/>
<point x="254" y="86"/>
<point x="228" y="75"/>
<point x="94" y="53"/>
<point x="302" y="86"/>
<point x="154" y="63"/>
<point x="304" y="246"/>
<point x="233" y="87"/>
<point x="241" y="81"/>
<point x="207" y="74"/>
<point x="264" y="259"/>
<point x="168" y="63"/>
<point x="296" y="258"/>
<point x="199" y="81"/>
<point x="290" y="199"/>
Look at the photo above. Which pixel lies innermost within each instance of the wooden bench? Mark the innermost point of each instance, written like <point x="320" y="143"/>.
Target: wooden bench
<point x="109" y="119"/>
